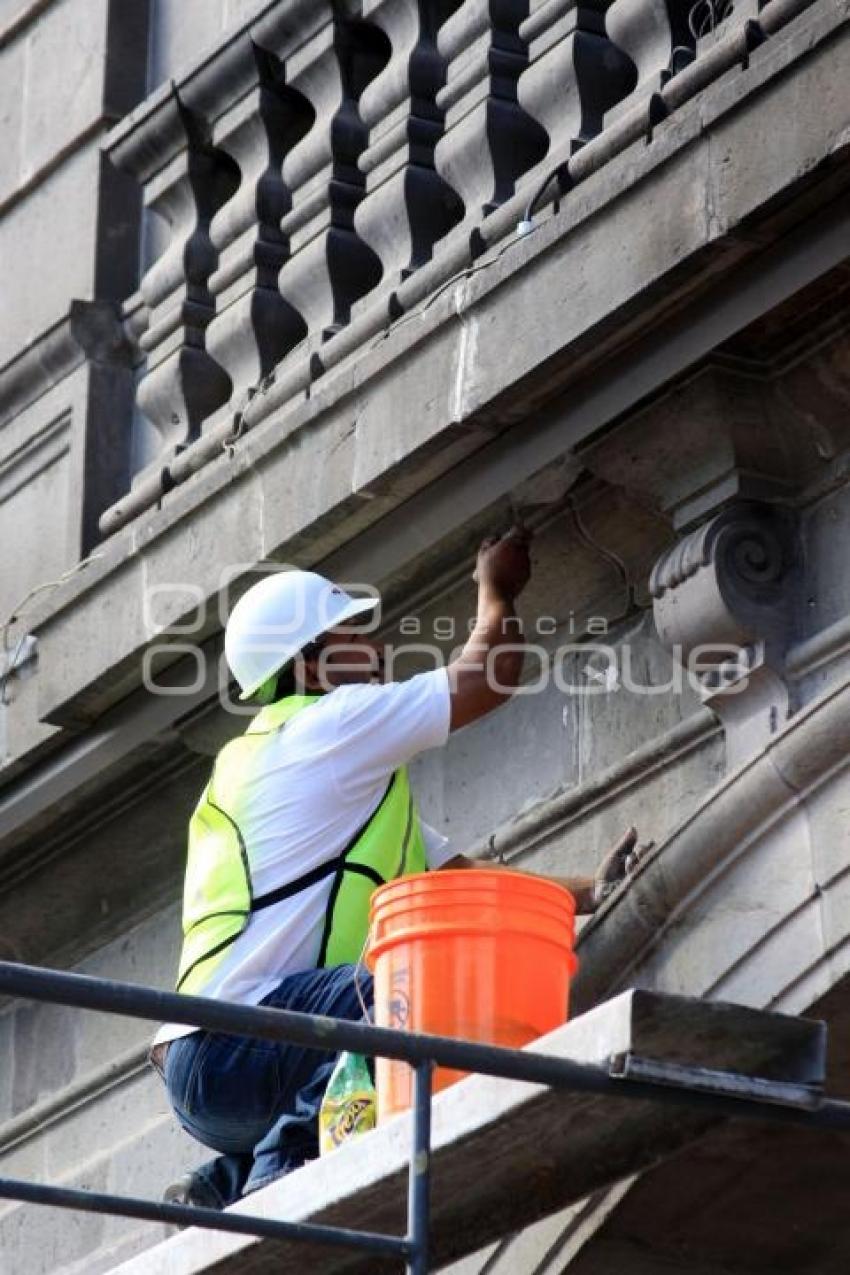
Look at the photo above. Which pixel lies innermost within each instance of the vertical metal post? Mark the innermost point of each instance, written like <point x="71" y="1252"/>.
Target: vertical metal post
<point x="419" y="1187"/>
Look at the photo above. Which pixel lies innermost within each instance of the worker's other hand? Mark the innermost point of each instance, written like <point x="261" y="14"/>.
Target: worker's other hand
<point x="620" y="862"/>
<point x="503" y="566"/>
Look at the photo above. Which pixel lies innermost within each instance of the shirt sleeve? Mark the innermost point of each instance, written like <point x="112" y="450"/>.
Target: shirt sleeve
<point x="380" y="728"/>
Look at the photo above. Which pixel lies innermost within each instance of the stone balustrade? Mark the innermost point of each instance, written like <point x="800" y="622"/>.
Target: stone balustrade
<point x="329" y="150"/>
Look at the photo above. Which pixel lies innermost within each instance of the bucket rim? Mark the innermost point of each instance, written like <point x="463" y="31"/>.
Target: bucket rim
<point x="444" y="880"/>
<point x="403" y="915"/>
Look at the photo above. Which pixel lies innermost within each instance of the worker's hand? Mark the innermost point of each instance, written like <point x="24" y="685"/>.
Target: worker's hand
<point x="620" y="862"/>
<point x="503" y="566"/>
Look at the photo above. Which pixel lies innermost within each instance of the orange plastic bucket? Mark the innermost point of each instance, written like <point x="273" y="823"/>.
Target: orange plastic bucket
<point x="475" y="954"/>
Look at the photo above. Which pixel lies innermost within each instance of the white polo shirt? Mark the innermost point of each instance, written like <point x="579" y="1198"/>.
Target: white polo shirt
<point x="326" y="773"/>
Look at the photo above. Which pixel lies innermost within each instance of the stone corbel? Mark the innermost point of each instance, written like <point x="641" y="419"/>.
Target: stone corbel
<point x="722" y="603"/>
<point x="704" y="443"/>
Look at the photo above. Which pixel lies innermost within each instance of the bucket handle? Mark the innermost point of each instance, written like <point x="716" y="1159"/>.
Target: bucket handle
<point x="359" y="966"/>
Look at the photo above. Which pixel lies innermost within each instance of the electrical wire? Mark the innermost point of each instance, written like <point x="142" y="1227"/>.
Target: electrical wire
<point x="588" y="539"/>
<point x="472" y="269"/>
<point x="713" y="13"/>
<point x="367" y="1015"/>
<point x="610" y="556"/>
<point x="15" y="615"/>
<point x="240" y="414"/>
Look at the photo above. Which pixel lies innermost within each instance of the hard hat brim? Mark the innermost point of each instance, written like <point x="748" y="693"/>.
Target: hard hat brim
<point x="353" y="608"/>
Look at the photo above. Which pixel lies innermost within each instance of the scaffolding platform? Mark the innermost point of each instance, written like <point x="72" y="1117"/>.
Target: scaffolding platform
<point x="505" y="1153"/>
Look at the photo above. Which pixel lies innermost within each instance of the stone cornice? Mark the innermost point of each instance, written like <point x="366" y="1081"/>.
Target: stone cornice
<point x="59" y="1106"/>
<point x="91" y="330"/>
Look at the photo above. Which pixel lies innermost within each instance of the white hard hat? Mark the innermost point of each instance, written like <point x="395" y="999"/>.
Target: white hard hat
<point x="278" y="616"/>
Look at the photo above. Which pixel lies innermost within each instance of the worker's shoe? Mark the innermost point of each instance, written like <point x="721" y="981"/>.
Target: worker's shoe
<point x="190" y="1190"/>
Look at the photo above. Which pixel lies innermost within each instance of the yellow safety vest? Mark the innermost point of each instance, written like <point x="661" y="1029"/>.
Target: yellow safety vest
<point x="218" y="899"/>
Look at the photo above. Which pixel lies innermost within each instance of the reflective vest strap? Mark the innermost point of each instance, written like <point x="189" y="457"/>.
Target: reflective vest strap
<point x="295" y="887"/>
<point x="324" y="869"/>
<point x="361" y="869"/>
<point x="214" y="951"/>
<point x="240" y="840"/>
<point x="213" y="916"/>
<point x="364" y="871"/>
<point x="405" y="841"/>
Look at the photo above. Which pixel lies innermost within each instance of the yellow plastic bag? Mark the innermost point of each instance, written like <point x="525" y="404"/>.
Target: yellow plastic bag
<point x="349" y="1106"/>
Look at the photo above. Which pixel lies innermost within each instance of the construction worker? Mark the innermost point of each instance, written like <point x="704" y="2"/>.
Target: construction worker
<point x="303" y="816"/>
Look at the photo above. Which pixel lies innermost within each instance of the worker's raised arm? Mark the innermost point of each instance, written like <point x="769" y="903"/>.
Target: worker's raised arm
<point x="488" y="669"/>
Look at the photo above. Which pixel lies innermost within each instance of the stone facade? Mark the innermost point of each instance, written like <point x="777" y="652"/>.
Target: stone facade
<point x="348" y="285"/>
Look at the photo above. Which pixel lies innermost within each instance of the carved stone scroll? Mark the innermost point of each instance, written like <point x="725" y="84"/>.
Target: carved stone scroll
<point x="722" y="603"/>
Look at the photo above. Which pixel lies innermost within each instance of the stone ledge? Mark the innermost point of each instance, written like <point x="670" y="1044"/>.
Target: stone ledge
<point x="491" y="1135"/>
<point x="760" y="798"/>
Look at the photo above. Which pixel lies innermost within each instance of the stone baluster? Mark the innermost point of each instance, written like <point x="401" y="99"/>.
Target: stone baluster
<point x="489" y="139"/>
<point x="255" y="120"/>
<point x="329" y="59"/>
<point x="656" y="35"/>
<point x="408" y="206"/>
<point x="185" y="181"/>
<point x="575" y="74"/>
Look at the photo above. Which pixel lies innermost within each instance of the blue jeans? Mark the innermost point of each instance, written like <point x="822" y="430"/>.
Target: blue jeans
<point x="257" y="1101"/>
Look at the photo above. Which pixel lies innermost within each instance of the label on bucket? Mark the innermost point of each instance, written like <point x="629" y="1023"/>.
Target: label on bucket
<point x="399" y="1004"/>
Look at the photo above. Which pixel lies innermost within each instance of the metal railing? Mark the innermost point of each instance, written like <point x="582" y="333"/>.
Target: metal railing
<point x="749" y="1097"/>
